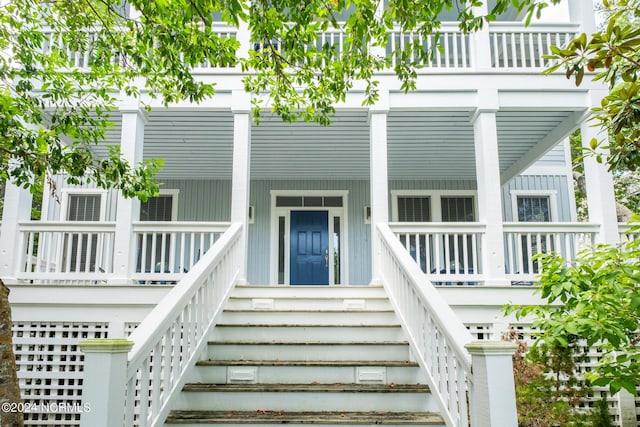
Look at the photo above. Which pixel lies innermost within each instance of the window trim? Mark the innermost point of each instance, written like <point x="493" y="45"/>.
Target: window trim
<point x="68" y="192"/>
<point x="434" y="201"/>
<point x="551" y="194"/>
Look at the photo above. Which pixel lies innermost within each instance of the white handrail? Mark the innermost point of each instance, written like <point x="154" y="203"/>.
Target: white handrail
<point x="436" y="336"/>
<point x="171" y="338"/>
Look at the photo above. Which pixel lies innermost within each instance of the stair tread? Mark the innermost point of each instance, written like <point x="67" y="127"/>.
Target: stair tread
<point x="314" y="387"/>
<point x="307" y="325"/>
<point x="293" y="342"/>
<point x="304" y="310"/>
<point x="330" y="363"/>
<point x="280" y="417"/>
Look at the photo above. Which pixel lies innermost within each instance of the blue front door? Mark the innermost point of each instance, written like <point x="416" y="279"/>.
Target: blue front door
<point x="309" y="248"/>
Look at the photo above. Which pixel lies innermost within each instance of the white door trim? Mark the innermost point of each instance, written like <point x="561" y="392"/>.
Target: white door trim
<point x="277" y="212"/>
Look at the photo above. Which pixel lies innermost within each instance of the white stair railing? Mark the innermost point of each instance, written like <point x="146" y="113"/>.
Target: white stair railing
<point x="435" y="333"/>
<point x="482" y="397"/>
<point x="166" y="344"/>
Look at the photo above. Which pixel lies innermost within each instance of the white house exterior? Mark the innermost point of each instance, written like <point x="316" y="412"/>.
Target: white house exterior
<point x="470" y="173"/>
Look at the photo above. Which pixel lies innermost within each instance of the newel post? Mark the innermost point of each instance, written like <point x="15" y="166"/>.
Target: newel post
<point x="493" y="402"/>
<point x="104" y="382"/>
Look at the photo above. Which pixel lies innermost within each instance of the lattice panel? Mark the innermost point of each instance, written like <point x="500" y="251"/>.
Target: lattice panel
<point x="129" y="327"/>
<point x="480" y="331"/>
<point x="587" y="358"/>
<point x="50" y="367"/>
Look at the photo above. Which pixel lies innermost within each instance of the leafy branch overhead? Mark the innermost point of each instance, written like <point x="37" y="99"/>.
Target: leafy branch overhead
<point x="64" y="64"/>
<point x="613" y="55"/>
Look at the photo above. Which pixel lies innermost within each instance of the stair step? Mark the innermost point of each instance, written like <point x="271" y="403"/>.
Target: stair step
<point x="305" y="397"/>
<point x="277" y="302"/>
<point x="301" y="350"/>
<point x="311" y="292"/>
<point x="295" y="332"/>
<point x="308" y="317"/>
<point x="304" y="371"/>
<point x="329" y="418"/>
<point x="312" y="388"/>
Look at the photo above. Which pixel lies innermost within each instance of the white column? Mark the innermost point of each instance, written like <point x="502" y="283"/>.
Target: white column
<point x="128" y="210"/>
<point x="493" y="399"/>
<point x="240" y="181"/>
<point x="489" y="188"/>
<point x="601" y="202"/>
<point x="379" y="178"/>
<point x="104" y="381"/>
<point x="17" y="207"/>
<point x="582" y="12"/>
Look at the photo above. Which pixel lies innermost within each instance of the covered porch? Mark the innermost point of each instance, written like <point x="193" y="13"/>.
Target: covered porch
<point x="442" y="168"/>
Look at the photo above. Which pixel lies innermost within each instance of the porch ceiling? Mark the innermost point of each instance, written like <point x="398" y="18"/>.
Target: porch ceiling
<point x="421" y="144"/>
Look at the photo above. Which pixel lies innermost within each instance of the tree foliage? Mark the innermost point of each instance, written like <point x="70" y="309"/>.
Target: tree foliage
<point x="597" y="300"/>
<point x="613" y="55"/>
<point x="52" y="112"/>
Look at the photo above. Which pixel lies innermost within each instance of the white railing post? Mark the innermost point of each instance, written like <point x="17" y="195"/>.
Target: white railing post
<point x="128" y="210"/>
<point x="489" y="187"/>
<point x="17" y="207"/>
<point x="481" y="43"/>
<point x="379" y="182"/>
<point x="493" y="401"/>
<point x="104" y="380"/>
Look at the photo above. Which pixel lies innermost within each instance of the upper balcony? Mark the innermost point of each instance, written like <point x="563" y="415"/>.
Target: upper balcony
<point x="505" y="47"/>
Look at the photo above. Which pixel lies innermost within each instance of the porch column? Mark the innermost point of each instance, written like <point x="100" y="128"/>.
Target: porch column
<point x="601" y="202"/>
<point x="489" y="187"/>
<point x="582" y="12"/>
<point x="241" y="108"/>
<point x="128" y="210"/>
<point x="379" y="179"/>
<point x="17" y="207"/>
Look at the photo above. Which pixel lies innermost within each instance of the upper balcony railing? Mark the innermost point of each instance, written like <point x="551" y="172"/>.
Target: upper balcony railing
<point x="511" y="46"/>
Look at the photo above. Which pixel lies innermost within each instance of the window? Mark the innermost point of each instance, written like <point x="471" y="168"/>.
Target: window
<point x="534" y="208"/>
<point x="81" y="249"/>
<point x="159" y="208"/>
<point x="457" y="209"/>
<point x="414" y="208"/>
<point x="156" y="249"/>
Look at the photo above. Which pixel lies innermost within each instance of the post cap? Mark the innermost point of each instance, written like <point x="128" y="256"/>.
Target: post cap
<point x="100" y="345"/>
<point x="479" y="348"/>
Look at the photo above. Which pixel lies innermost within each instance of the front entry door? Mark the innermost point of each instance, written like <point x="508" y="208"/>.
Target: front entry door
<point x="309" y="248"/>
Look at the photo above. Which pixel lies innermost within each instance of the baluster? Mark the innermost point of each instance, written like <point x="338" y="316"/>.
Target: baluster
<point x="451" y="383"/>
<point x="156" y="370"/>
<point x="78" y="257"/>
<point x="152" y="262"/>
<point x="465" y="253"/>
<point x="143" y="253"/>
<point x="455" y="52"/>
<point x="505" y="51"/>
<point x="87" y="258"/>
<point x="438" y="56"/>
<point x="130" y="403"/>
<point x="532" y="52"/>
<point x="529" y="252"/>
<point x="192" y="250"/>
<point x="144" y="392"/>
<point x="163" y="254"/>
<point x="28" y="266"/>
<point x="172" y="252"/>
<point x="430" y="48"/>
<point x="496" y="52"/>
<point x="447" y="53"/>
<point x="463" y="415"/>
<point x="182" y="265"/>
<point x="523" y="53"/>
<point x="514" y="55"/>
<point x="463" y="49"/>
<point x="475" y="253"/>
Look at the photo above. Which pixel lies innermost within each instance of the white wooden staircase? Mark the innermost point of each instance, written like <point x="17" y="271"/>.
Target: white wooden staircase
<point x="306" y="355"/>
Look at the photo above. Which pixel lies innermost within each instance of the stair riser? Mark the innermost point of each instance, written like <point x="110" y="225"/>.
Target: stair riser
<point x="309" y="318"/>
<point x="303" y="401"/>
<point x="310" y="292"/>
<point x="307" y="374"/>
<point x="307" y="352"/>
<point x="309" y="304"/>
<point x="250" y="423"/>
<point x="300" y="333"/>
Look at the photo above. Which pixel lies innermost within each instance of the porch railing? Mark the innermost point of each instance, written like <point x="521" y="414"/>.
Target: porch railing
<point x="436" y="335"/>
<point x="515" y="47"/>
<point x="65" y="251"/>
<point x="525" y="240"/>
<point x="166" y="251"/>
<point x="171" y="338"/>
<point x="449" y="253"/>
<point x="512" y="46"/>
<point x="453" y="49"/>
